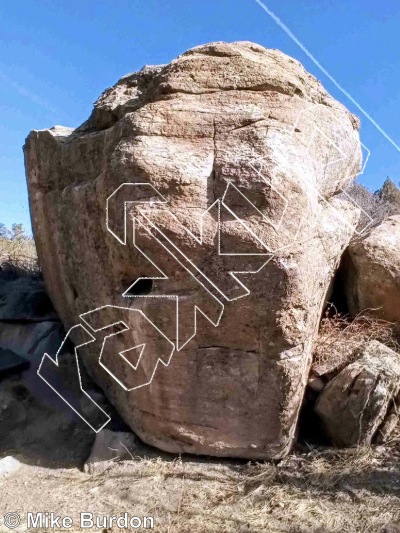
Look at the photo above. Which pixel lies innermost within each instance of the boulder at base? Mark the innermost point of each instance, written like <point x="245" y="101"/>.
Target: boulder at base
<point x="372" y="272"/>
<point x="354" y="404"/>
<point x="233" y="122"/>
<point x="25" y="299"/>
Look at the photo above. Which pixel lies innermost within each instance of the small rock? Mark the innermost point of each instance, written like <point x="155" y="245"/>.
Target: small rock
<point x="353" y="404"/>
<point x="387" y="428"/>
<point x="8" y="465"/>
<point x="110" y="446"/>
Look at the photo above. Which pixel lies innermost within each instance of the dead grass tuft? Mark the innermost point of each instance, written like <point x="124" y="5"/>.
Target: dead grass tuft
<point x="340" y="336"/>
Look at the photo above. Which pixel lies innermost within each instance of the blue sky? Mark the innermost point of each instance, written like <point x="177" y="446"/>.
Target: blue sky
<point x="56" y="57"/>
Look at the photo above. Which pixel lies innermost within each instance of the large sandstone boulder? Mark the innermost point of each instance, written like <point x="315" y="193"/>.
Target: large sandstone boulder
<point x="372" y="272"/>
<point x="232" y="122"/>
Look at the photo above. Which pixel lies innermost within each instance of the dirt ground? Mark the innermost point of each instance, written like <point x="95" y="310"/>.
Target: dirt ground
<point x="313" y="490"/>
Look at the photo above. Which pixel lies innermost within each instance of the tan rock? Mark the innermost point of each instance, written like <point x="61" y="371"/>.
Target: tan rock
<point x="388" y="427"/>
<point x="372" y="272"/>
<point x="109" y="446"/>
<point x="353" y="404"/>
<point x="218" y="113"/>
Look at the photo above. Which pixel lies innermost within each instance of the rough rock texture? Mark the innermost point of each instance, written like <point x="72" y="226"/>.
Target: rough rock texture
<point x="389" y="426"/>
<point x="110" y="446"/>
<point x="372" y="272"/>
<point x="353" y="404"/>
<point x="220" y="112"/>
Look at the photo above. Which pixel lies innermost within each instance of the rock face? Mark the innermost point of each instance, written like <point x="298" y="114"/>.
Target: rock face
<point x="353" y="404"/>
<point x="372" y="272"/>
<point x="247" y="150"/>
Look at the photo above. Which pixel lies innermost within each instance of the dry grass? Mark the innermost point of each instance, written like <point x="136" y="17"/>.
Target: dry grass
<point x="340" y="337"/>
<point x="18" y="258"/>
<point x="320" y="491"/>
